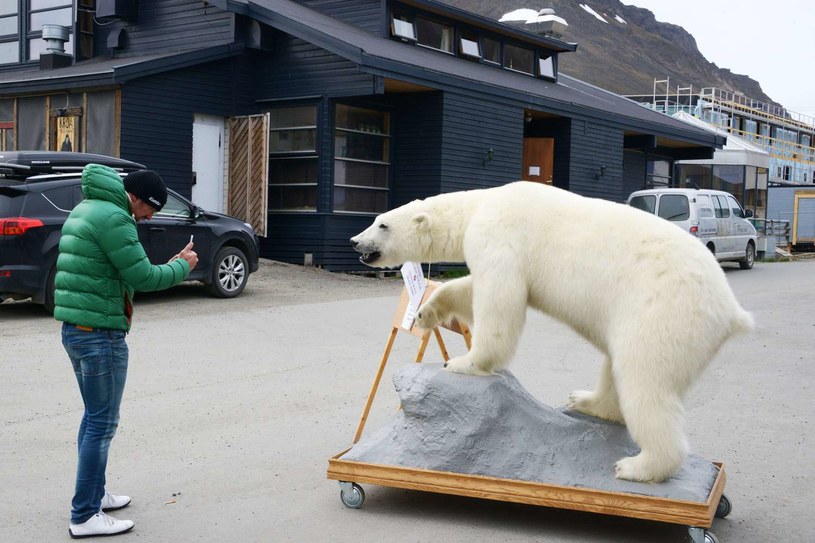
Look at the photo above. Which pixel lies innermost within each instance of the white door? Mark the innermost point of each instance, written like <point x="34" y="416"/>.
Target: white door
<point x="208" y="162"/>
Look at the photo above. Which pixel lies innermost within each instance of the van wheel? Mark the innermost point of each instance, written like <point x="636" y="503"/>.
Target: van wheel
<point x="749" y="257"/>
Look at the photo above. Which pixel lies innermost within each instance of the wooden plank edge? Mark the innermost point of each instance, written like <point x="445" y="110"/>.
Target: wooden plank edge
<point x="685" y="512"/>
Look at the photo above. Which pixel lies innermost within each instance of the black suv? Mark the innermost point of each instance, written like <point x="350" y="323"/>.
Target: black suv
<point x="37" y="191"/>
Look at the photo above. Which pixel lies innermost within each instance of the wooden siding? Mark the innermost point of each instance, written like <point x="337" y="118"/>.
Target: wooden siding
<point x="362" y="13"/>
<point x="594" y="146"/>
<point x="299" y="68"/>
<point x="169" y="25"/>
<point x="471" y="127"/>
<point x="157" y="114"/>
<point x="634" y="167"/>
<point x="417" y="147"/>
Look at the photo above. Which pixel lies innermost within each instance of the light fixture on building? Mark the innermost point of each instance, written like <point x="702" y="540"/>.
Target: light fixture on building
<point x="489" y="157"/>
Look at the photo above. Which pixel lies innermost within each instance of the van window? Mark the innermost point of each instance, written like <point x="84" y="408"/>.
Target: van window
<point x="720" y="204"/>
<point x="735" y="207"/>
<point x="674" y="207"/>
<point x="645" y="203"/>
<point x="705" y="206"/>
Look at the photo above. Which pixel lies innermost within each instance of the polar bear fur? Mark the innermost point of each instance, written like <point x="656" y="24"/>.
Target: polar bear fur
<point x="648" y="295"/>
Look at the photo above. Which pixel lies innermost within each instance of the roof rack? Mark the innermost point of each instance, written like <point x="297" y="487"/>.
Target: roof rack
<point x="25" y="164"/>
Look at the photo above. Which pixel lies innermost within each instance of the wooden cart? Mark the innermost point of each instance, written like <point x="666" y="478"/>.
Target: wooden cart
<point x="697" y="516"/>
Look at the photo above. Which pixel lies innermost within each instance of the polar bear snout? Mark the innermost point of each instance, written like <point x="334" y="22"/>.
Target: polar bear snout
<point x="370" y="253"/>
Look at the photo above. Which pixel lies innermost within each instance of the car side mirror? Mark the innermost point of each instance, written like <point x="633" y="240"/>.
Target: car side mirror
<point x="748" y="213"/>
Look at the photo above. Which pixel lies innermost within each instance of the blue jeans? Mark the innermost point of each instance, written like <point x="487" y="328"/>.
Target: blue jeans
<point x="99" y="358"/>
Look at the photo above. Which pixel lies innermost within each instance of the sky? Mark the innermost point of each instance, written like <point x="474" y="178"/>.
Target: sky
<point x="772" y="42"/>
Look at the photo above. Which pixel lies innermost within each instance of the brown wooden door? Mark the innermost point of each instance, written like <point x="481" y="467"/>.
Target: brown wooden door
<point x="538" y="159"/>
<point x="247" y="192"/>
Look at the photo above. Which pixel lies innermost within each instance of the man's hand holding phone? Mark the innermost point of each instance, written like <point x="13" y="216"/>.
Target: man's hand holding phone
<point x="188" y="254"/>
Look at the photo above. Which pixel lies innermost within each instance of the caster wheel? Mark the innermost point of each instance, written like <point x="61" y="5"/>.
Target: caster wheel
<point x="724" y="508"/>
<point x="700" y="535"/>
<point x="352" y="495"/>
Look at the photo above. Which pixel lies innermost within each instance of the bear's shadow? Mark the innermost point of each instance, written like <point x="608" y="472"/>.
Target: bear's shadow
<point x="492" y="426"/>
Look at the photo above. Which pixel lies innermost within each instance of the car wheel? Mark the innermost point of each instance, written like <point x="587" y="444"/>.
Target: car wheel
<point x="749" y="257"/>
<point x="230" y="272"/>
<point x="48" y="296"/>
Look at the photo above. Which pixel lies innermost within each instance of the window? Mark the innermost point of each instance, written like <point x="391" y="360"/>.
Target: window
<point x="174" y="208"/>
<point x="293" y="158"/>
<point x="402" y="27"/>
<point x="469" y="45"/>
<point x="9" y="32"/>
<point x="674" y="207"/>
<point x="434" y="35"/>
<point x="646" y="203"/>
<point x="735" y="208"/>
<point x="61" y="198"/>
<point x="361" y="159"/>
<point x="720" y="206"/>
<point x="519" y="59"/>
<point x="491" y="50"/>
<point x="546" y="66"/>
<point x="658" y="173"/>
<point x="705" y="207"/>
<point x="21" y="24"/>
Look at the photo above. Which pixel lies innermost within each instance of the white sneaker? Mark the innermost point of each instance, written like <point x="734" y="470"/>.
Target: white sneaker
<point x="99" y="525"/>
<point x="112" y="502"/>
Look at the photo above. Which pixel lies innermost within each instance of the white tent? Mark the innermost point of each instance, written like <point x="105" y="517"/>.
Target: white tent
<point x="736" y="151"/>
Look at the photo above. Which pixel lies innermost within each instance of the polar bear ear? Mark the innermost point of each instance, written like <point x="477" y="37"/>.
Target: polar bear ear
<point x="421" y="221"/>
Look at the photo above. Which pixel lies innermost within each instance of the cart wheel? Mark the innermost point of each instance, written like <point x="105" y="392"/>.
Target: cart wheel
<point x="352" y="495"/>
<point x="724" y="508"/>
<point x="700" y="535"/>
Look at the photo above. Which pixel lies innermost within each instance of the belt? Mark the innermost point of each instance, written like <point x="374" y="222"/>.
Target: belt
<point x="84" y="328"/>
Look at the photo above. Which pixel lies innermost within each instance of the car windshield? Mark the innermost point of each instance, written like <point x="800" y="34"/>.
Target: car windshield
<point x="674" y="207"/>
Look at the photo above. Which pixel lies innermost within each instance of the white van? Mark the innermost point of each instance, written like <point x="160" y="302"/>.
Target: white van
<point x="714" y="216"/>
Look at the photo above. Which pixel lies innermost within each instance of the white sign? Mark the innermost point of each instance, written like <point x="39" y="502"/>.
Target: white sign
<point x="535" y="170"/>
<point x="416" y="285"/>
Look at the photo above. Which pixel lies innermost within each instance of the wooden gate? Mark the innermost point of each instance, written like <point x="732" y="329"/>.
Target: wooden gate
<point x="248" y="189"/>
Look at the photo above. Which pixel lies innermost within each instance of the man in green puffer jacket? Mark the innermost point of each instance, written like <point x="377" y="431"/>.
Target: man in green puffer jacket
<point x="100" y="265"/>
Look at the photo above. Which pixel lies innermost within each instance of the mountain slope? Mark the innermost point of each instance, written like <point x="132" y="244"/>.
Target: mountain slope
<point x="626" y="57"/>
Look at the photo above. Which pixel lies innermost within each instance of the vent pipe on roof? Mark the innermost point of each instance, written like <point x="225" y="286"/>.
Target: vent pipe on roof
<point x="55" y="37"/>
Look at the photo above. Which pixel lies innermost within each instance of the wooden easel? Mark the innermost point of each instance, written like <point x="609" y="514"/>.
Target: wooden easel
<point x="396" y="326"/>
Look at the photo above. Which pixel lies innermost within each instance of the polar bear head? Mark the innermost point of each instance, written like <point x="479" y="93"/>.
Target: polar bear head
<point x="398" y="236"/>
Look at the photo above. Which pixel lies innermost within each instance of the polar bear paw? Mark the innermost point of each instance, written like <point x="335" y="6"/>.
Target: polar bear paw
<point x="638" y="469"/>
<point x="590" y="403"/>
<point x="464" y="365"/>
<point x="427" y="318"/>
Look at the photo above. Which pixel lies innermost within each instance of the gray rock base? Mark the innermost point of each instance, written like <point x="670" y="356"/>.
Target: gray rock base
<point x="492" y="426"/>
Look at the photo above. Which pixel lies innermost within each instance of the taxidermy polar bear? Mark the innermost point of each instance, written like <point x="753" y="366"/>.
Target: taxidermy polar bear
<point x="648" y="295"/>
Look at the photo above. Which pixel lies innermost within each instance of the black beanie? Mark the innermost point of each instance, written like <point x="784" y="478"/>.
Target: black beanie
<point x="147" y="185"/>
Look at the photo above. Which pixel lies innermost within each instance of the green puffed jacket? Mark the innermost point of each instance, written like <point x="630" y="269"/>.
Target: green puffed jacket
<point x="101" y="261"/>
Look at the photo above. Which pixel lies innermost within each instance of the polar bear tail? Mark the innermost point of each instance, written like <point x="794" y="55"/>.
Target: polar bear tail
<point x="743" y="323"/>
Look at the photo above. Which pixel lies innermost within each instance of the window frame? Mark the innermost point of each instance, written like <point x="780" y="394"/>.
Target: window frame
<point x="544" y="61"/>
<point x="27" y="34"/>
<point x="386" y="134"/>
<point x="310" y="189"/>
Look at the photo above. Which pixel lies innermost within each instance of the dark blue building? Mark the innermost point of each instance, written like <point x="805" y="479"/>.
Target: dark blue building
<point x="310" y="117"/>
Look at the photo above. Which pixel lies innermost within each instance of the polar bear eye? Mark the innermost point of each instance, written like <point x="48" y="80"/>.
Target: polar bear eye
<point x="383" y="226"/>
